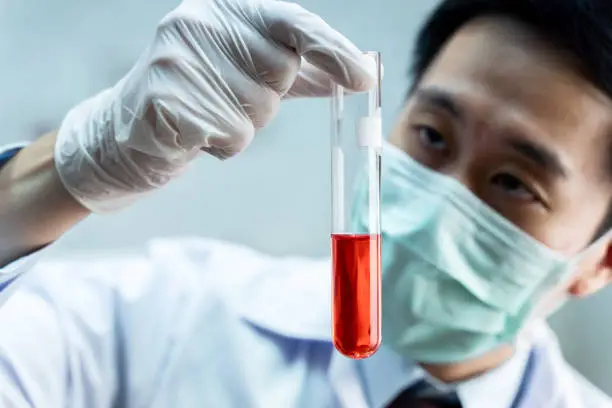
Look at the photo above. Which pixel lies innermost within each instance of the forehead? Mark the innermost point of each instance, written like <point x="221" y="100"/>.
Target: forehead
<point x="507" y="78"/>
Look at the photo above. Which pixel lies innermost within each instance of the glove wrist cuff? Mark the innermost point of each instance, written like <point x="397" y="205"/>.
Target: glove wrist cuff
<point x="87" y="155"/>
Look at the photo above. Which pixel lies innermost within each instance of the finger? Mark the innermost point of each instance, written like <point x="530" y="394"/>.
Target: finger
<point x="312" y="82"/>
<point x="276" y="66"/>
<point x="313" y="39"/>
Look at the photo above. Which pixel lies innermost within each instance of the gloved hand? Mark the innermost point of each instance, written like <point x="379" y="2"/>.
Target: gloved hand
<point x="214" y="74"/>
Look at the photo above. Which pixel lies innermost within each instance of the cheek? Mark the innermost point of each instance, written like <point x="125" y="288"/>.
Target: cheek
<point x="572" y="229"/>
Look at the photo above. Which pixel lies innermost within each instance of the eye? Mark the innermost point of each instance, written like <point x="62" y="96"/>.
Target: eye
<point x="514" y="186"/>
<point x="431" y="138"/>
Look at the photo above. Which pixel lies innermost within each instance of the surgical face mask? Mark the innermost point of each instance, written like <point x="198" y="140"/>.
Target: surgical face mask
<point x="458" y="278"/>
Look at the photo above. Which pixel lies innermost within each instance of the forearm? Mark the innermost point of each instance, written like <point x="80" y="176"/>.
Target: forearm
<point x="35" y="208"/>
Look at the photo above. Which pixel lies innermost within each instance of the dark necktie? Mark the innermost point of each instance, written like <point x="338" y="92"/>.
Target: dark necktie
<point x="420" y="395"/>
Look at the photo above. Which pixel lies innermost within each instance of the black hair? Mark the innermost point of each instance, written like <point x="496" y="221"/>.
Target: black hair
<point x="580" y="28"/>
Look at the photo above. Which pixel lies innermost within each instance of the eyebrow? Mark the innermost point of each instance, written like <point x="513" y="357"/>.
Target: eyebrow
<point x="533" y="151"/>
<point x="539" y="155"/>
<point x="440" y="99"/>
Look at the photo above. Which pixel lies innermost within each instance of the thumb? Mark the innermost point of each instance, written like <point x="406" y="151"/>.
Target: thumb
<point x="323" y="47"/>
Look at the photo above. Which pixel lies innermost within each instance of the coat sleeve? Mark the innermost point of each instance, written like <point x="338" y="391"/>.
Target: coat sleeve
<point x="591" y="396"/>
<point x="90" y="333"/>
<point x="59" y="338"/>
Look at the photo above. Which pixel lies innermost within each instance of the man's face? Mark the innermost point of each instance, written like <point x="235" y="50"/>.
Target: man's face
<point x="509" y="117"/>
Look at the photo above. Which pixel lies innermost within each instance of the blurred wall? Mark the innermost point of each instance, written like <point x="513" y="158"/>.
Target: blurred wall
<point x="275" y="197"/>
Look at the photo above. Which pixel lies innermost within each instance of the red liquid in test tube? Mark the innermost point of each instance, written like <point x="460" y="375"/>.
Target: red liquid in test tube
<point x="356" y="280"/>
<point x="356" y="156"/>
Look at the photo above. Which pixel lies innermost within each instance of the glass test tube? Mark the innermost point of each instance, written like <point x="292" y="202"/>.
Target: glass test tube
<point x="356" y="144"/>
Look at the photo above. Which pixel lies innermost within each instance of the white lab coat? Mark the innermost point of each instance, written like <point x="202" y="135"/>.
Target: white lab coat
<point x="196" y="323"/>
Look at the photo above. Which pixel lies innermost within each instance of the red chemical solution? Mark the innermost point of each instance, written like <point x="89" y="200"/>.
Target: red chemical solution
<point x="356" y="294"/>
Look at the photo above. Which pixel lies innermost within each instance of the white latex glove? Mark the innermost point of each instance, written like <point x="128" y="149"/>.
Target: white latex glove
<point x="214" y="74"/>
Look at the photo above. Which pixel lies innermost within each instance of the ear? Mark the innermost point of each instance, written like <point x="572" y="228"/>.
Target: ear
<point x="595" y="277"/>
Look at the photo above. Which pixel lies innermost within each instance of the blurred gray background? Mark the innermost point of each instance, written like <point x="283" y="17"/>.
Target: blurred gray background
<point x="275" y="197"/>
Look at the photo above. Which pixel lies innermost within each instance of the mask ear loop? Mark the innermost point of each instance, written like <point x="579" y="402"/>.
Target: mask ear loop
<point x="548" y="304"/>
<point x="575" y="261"/>
<point x="556" y="297"/>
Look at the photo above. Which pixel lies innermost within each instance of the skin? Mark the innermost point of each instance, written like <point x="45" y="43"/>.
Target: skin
<point x="35" y="209"/>
<point x="493" y="93"/>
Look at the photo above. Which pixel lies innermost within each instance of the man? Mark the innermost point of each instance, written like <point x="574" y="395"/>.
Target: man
<point x="496" y="203"/>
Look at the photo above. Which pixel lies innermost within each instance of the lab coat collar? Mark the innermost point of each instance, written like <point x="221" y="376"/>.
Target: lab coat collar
<point x="346" y="382"/>
<point x="385" y="375"/>
<point x="290" y="297"/>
